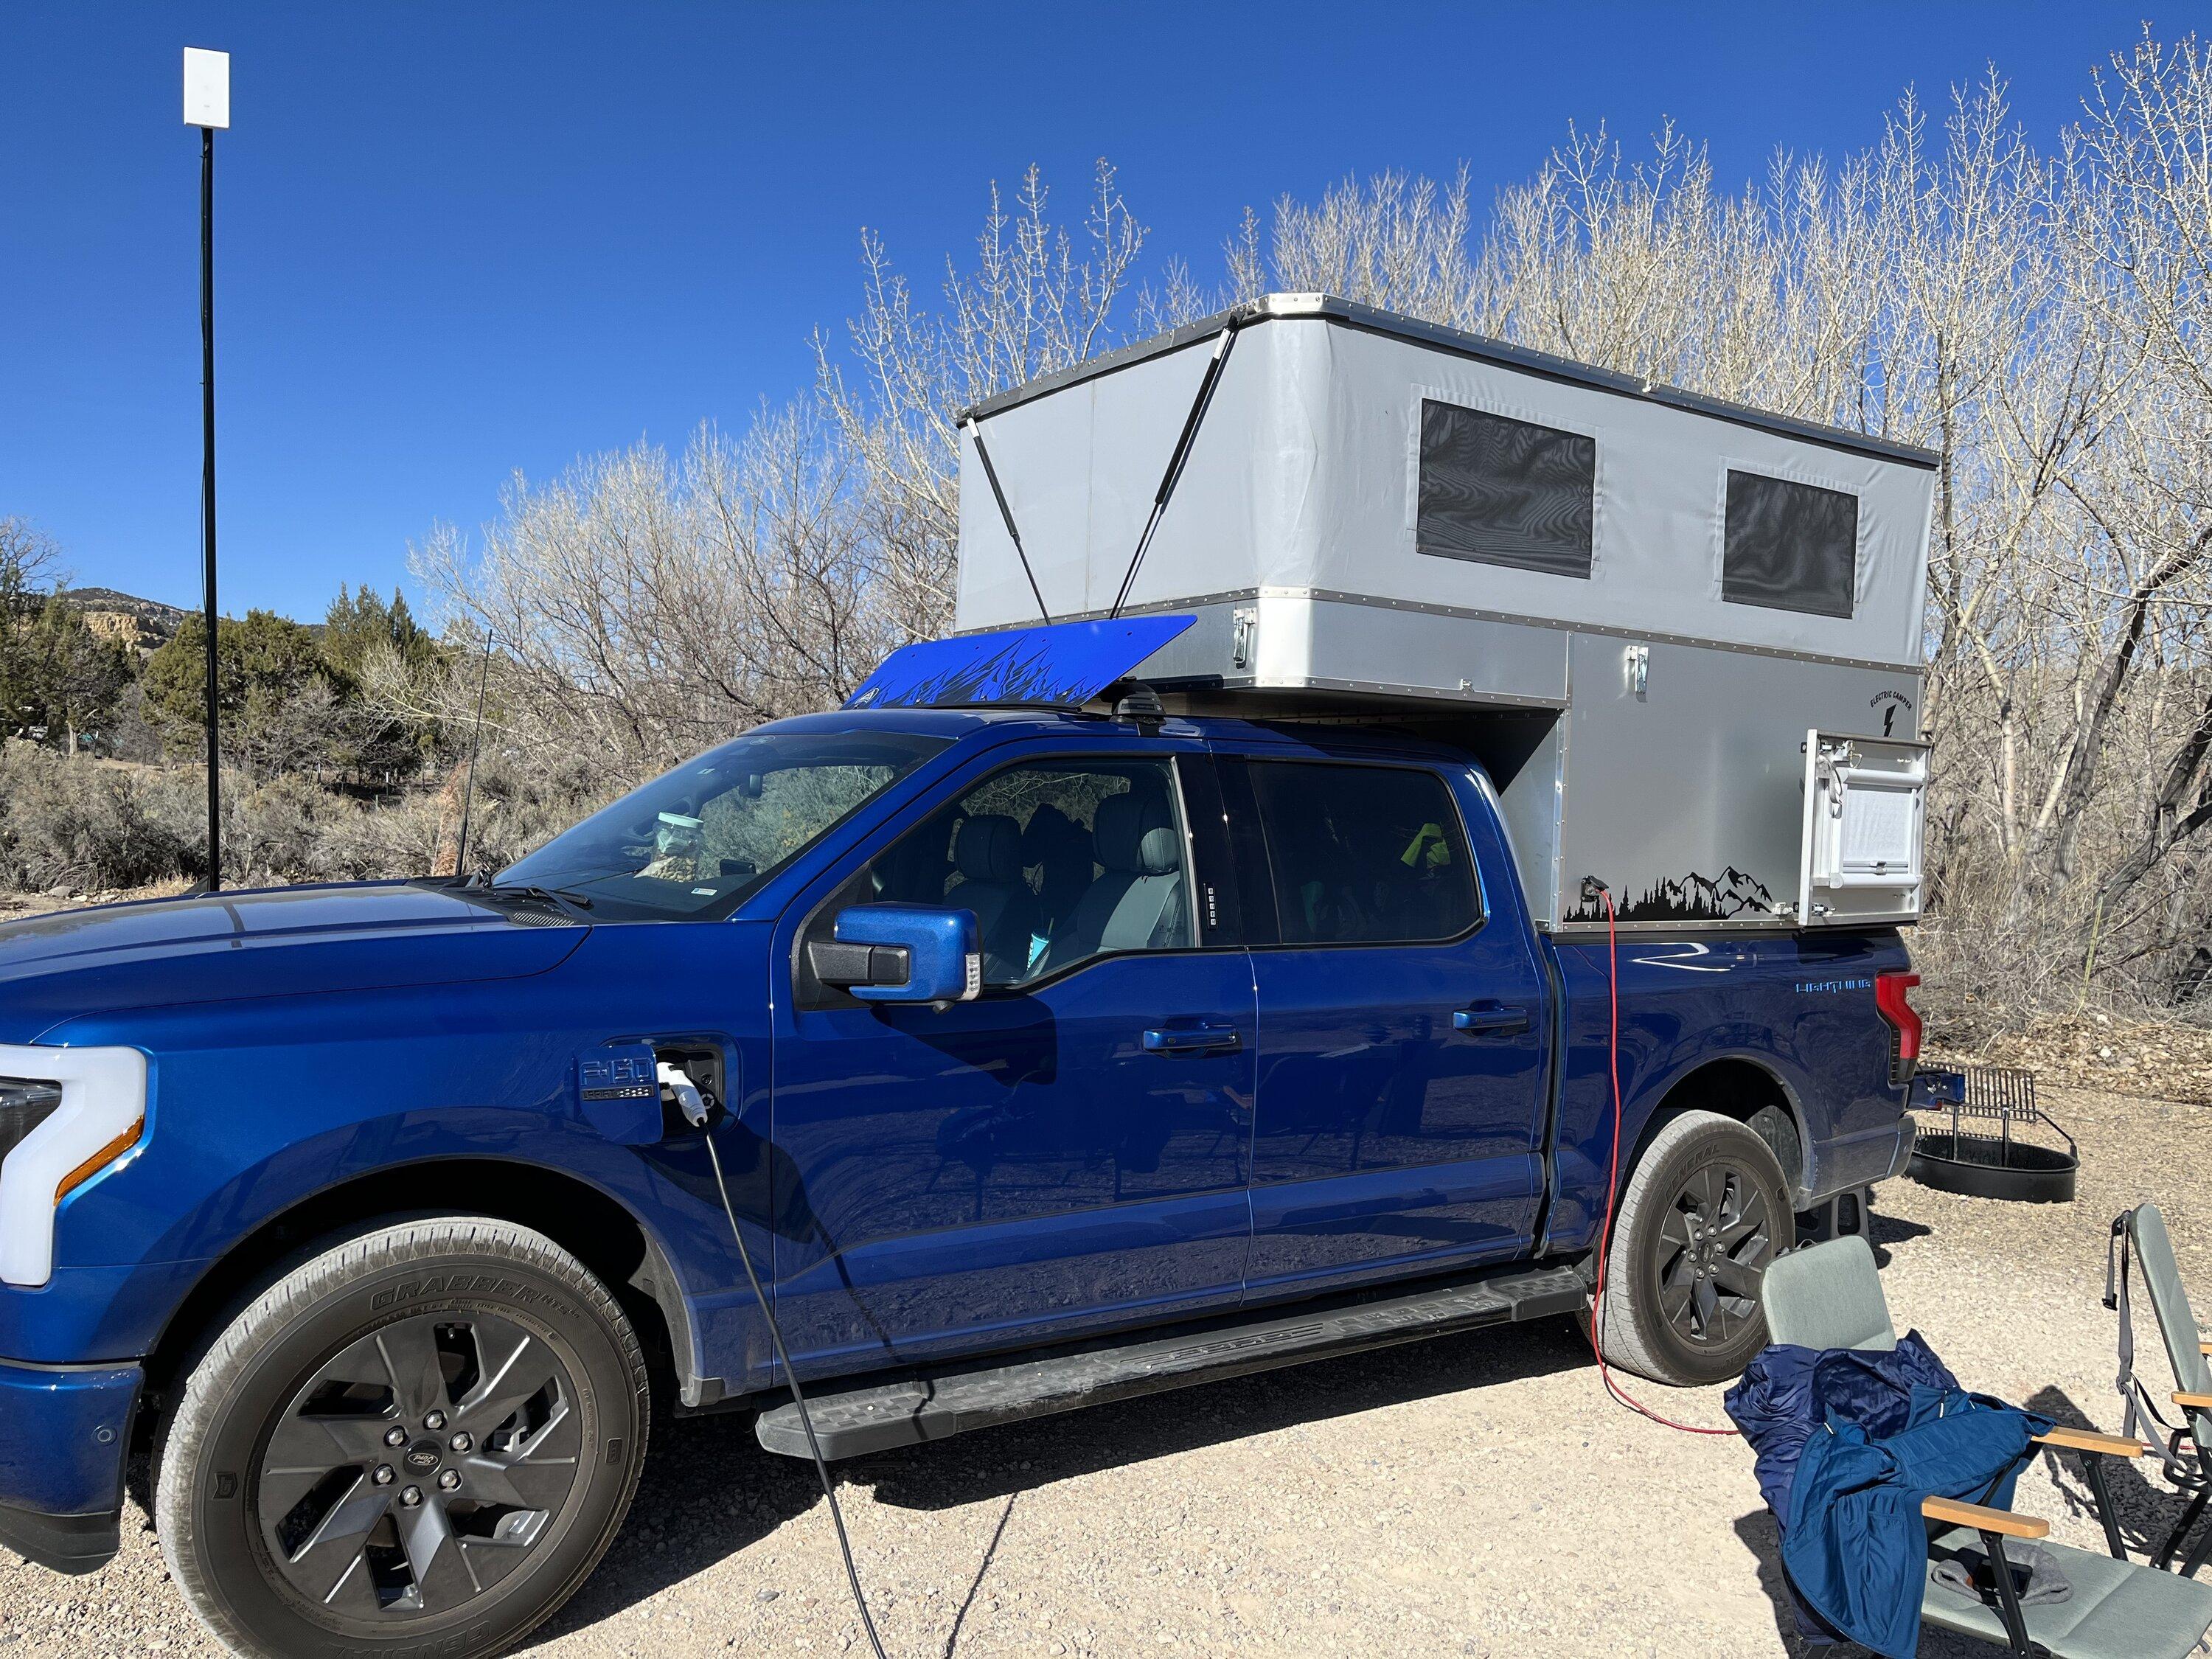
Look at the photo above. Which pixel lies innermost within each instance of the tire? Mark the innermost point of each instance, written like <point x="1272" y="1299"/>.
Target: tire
<point x="1681" y="1295"/>
<point x="517" y="1390"/>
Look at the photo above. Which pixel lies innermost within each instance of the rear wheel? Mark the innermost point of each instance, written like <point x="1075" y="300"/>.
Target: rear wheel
<point x="1705" y="1213"/>
<point x="417" y="1441"/>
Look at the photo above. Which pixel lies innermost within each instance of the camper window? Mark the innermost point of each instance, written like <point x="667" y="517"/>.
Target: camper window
<point x="1502" y="491"/>
<point x="1789" y="546"/>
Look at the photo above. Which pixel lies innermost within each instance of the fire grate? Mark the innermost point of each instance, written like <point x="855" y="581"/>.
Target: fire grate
<point x="1996" y="1142"/>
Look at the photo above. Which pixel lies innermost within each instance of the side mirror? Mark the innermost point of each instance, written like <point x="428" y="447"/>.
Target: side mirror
<point x="901" y="953"/>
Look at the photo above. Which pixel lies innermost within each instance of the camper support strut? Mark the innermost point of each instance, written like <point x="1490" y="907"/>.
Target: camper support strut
<point x="991" y="473"/>
<point x="1181" y="453"/>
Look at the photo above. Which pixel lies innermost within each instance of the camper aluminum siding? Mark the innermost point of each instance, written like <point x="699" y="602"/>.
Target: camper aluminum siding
<point x="1387" y="511"/>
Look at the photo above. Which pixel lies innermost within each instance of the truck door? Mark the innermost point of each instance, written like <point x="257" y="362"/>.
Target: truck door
<point x="1065" y="1152"/>
<point x="1401" y="1017"/>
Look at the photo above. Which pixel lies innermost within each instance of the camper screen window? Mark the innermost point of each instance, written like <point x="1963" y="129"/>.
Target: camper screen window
<point x="1500" y="491"/>
<point x="1789" y="546"/>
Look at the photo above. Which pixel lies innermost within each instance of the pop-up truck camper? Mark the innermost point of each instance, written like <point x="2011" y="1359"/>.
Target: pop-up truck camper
<point x="1684" y="636"/>
<point x="1198" y="962"/>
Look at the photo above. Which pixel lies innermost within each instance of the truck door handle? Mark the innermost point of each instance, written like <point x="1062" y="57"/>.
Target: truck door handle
<point x="1207" y="1039"/>
<point x="1491" y="1019"/>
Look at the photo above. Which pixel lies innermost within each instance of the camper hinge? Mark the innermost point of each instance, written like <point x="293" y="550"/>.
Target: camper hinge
<point x="1636" y="670"/>
<point x="1243" y="626"/>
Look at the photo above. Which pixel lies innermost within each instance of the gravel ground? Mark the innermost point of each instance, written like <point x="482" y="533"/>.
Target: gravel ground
<point x="1470" y="1496"/>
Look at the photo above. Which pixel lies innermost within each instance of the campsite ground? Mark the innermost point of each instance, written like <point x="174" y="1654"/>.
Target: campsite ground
<point x="1471" y="1495"/>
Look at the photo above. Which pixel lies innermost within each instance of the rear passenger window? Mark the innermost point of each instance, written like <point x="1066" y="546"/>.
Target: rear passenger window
<point x="1364" y="854"/>
<point x="1061" y="860"/>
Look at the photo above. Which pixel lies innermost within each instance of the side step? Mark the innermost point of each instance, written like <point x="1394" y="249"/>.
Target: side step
<point x="952" y="1401"/>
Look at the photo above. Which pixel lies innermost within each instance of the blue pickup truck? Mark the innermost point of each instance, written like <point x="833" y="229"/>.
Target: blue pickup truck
<point x="1055" y="1049"/>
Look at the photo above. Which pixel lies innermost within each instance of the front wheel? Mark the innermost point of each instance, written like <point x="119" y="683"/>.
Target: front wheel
<point x="1704" y="1214"/>
<point x="418" y="1441"/>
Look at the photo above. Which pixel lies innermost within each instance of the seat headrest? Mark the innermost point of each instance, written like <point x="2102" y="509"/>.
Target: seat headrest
<point x="1051" y="834"/>
<point x="1137" y="836"/>
<point x="989" y="849"/>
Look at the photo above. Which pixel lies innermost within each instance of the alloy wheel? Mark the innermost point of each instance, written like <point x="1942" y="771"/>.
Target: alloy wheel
<point x="1715" y="1244"/>
<point x="419" y="1466"/>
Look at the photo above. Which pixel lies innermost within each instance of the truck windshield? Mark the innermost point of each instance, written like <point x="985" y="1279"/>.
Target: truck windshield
<point x="695" y="842"/>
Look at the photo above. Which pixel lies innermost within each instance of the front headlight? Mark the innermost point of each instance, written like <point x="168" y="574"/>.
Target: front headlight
<point x="25" y="1103"/>
<point x="65" y="1115"/>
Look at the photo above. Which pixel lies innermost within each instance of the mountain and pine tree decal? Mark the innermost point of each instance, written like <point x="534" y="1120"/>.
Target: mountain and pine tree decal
<point x="1691" y="897"/>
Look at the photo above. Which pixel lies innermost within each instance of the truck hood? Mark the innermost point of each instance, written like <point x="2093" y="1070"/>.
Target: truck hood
<point x="294" y="941"/>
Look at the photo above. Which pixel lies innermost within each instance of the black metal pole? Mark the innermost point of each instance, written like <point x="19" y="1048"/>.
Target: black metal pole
<point x="207" y="612"/>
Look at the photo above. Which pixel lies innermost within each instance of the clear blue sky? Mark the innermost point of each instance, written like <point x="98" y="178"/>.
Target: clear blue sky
<point x="457" y="240"/>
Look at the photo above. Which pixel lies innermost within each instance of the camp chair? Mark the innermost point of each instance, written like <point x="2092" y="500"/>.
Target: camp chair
<point x="1829" y="1296"/>
<point x="2187" y="1451"/>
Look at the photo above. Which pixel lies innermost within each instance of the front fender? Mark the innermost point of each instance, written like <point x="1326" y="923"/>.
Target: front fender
<point x="255" y="1111"/>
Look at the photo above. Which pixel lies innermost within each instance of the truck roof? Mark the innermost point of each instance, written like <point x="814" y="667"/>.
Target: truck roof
<point x="1088" y="726"/>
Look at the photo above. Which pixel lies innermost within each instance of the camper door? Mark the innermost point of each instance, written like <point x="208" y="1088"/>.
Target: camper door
<point x="1865" y="813"/>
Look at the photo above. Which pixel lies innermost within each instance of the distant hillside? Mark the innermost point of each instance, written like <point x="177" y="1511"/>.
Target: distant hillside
<point x="145" y="624"/>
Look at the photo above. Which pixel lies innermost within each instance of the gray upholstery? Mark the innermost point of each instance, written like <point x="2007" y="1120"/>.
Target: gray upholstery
<point x="1828" y="1296"/>
<point x="2118" y="1610"/>
<point x="1138" y="901"/>
<point x="987" y="852"/>
<point x="1136" y="835"/>
<point x="2176" y="1321"/>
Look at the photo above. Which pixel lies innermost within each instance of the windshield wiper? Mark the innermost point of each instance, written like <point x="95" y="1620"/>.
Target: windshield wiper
<point x="521" y="891"/>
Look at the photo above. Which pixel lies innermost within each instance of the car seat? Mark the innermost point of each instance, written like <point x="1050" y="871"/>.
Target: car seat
<point x="987" y="854"/>
<point x="1136" y="901"/>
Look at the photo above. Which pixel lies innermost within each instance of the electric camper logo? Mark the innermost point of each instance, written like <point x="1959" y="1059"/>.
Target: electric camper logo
<point x="1889" y="703"/>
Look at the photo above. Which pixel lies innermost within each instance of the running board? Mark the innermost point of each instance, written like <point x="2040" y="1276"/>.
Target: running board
<point x="933" y="1407"/>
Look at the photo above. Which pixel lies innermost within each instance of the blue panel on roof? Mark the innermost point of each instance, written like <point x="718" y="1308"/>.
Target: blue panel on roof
<point x="1062" y="666"/>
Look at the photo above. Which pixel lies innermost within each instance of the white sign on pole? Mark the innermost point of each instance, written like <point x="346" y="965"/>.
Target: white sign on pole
<point x="207" y="88"/>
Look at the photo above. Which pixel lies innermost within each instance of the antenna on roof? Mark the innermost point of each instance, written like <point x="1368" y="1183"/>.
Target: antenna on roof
<point x="991" y="473"/>
<point x="1181" y="454"/>
<point x="476" y="742"/>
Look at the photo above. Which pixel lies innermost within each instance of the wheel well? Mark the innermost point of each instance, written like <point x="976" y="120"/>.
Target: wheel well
<point x="579" y="1218"/>
<point x="1745" y="1091"/>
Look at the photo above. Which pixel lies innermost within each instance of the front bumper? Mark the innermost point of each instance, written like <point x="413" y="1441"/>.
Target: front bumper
<point x="64" y="1435"/>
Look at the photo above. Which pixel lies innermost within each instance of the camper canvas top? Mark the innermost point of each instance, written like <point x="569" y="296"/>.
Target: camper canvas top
<point x="1345" y="451"/>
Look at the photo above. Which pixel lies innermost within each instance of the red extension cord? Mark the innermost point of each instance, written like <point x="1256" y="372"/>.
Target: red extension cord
<point x="1612" y="1200"/>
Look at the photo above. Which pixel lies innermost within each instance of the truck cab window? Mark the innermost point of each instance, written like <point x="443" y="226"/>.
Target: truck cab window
<point x="1364" y="854"/>
<point x="1062" y="860"/>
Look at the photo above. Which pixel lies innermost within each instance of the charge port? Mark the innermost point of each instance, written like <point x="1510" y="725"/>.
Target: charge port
<point x="702" y="1063"/>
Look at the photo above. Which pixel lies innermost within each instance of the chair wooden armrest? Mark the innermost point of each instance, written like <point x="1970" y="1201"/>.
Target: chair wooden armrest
<point x="2087" y="1440"/>
<point x="1955" y="1512"/>
<point x="2195" y="1403"/>
<point x="2204" y="1347"/>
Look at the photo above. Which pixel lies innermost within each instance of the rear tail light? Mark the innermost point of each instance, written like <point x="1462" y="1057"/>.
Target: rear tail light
<point x="1891" y="993"/>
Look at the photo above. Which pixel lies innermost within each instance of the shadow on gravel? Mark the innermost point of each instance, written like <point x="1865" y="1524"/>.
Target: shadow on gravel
<point x="999" y="1462"/>
<point x="1887" y="1230"/>
<point x="2147" y="1509"/>
<point x="709" y="1491"/>
<point x="1757" y="1531"/>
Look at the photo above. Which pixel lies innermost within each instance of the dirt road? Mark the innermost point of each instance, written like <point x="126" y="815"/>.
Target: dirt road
<point x="1473" y="1496"/>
